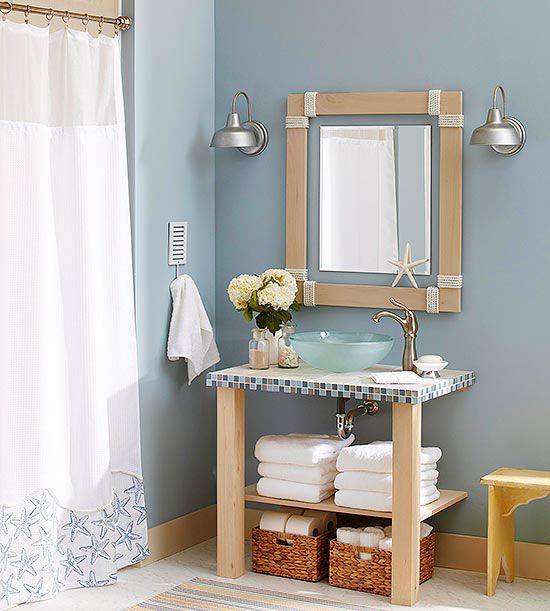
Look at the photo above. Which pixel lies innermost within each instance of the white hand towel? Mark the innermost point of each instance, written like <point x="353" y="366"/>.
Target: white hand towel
<point x="191" y="335"/>
<point x="298" y="449"/>
<point x="375" y="501"/>
<point x="294" y="491"/>
<point x="319" y="474"/>
<point x="348" y="535"/>
<point x="395" y="377"/>
<point x="377" y="457"/>
<point x="374" y="482"/>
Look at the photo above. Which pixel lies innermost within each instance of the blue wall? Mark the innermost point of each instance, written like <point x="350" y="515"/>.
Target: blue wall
<point x="270" y="49"/>
<point x="172" y="96"/>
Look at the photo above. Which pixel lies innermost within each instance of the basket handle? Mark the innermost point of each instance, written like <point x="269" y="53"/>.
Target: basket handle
<point x="284" y="542"/>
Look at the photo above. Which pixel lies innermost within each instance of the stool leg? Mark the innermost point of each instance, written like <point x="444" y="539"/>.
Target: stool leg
<point x="500" y="540"/>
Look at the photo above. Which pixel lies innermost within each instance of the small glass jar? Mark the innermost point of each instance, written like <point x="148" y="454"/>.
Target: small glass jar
<point x="288" y="358"/>
<point x="258" y="350"/>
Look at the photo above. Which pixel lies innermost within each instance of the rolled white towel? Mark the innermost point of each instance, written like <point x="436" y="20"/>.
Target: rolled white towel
<point x="319" y="474"/>
<point x="377" y="457"/>
<point x="375" y="501"/>
<point x="369" y="537"/>
<point x="299" y="449"/>
<point x="328" y="518"/>
<point x="425" y="530"/>
<point x="294" y="491"/>
<point x="274" y="521"/>
<point x="385" y="544"/>
<point x="375" y="530"/>
<point x="348" y="535"/>
<point x="376" y="482"/>
<point x="304" y="525"/>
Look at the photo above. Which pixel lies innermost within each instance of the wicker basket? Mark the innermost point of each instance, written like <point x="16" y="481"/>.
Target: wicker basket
<point x="348" y="571"/>
<point x="287" y="555"/>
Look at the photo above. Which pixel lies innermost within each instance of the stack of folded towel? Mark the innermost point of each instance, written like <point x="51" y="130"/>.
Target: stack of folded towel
<point x="364" y="480"/>
<point x="298" y="467"/>
<point x="373" y="536"/>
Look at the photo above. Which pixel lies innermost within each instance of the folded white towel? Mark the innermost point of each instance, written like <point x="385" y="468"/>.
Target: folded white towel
<point x="375" y="482"/>
<point x="190" y="336"/>
<point x="377" y="457"/>
<point x="319" y="474"/>
<point x="375" y="501"/>
<point x="294" y="491"/>
<point x="395" y="377"/>
<point x="298" y="449"/>
<point x="429" y="467"/>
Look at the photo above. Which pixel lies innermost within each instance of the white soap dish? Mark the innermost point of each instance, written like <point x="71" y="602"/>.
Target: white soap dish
<point x="430" y="365"/>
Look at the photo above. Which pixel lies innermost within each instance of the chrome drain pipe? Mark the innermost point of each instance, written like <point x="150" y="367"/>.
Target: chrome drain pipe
<point x="344" y="421"/>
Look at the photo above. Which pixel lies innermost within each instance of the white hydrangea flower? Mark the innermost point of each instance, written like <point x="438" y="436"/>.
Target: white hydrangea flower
<point x="282" y="277"/>
<point x="276" y="296"/>
<point x="240" y="289"/>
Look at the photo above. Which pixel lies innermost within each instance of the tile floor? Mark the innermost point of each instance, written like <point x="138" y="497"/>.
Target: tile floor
<point x="448" y="590"/>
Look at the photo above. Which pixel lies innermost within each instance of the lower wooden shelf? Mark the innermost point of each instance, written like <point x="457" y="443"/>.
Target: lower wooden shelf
<point x="447" y="499"/>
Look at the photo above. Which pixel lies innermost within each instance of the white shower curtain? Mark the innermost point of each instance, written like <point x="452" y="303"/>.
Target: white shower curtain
<point x="358" y="206"/>
<point x="72" y="507"/>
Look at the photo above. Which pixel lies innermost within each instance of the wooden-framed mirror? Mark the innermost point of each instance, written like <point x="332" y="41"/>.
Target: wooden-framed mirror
<point x="375" y="196"/>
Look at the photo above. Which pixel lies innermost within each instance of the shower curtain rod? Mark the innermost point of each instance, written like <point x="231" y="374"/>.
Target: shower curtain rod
<point x="121" y="23"/>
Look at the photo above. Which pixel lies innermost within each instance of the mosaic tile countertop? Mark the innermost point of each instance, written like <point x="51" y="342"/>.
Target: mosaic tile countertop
<point x="306" y="380"/>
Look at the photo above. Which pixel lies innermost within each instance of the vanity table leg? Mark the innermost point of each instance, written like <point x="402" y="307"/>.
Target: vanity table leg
<point x="406" y="426"/>
<point x="231" y="509"/>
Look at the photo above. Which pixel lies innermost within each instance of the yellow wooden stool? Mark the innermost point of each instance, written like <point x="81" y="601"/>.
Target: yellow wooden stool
<point x="508" y="489"/>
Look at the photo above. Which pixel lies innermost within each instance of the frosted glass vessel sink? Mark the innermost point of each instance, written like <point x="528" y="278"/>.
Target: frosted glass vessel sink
<point x="341" y="351"/>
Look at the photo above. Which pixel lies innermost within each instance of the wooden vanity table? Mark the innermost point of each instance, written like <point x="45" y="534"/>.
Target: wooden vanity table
<point x="406" y="403"/>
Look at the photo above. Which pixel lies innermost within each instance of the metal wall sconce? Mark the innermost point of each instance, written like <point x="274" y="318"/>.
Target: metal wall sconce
<point x="504" y="134"/>
<point x="250" y="137"/>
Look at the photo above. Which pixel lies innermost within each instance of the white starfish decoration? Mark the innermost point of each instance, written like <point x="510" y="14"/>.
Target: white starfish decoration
<point x="406" y="266"/>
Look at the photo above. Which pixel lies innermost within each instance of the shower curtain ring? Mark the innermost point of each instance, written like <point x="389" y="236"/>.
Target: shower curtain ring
<point x="27" y="11"/>
<point x="49" y="16"/>
<point x="101" y="24"/>
<point x="85" y="21"/>
<point x="6" y="12"/>
<point x="66" y="17"/>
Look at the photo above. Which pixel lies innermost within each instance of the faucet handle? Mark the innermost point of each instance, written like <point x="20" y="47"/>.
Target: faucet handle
<point x="400" y="305"/>
<point x="412" y="324"/>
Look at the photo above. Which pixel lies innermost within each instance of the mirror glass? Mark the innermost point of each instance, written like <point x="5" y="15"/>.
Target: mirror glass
<point x="374" y="196"/>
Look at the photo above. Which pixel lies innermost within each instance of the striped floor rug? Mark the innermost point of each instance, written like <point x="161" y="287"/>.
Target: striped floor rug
<point x="213" y="595"/>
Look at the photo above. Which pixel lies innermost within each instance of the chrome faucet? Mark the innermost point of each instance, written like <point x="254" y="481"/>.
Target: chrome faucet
<point x="410" y="331"/>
